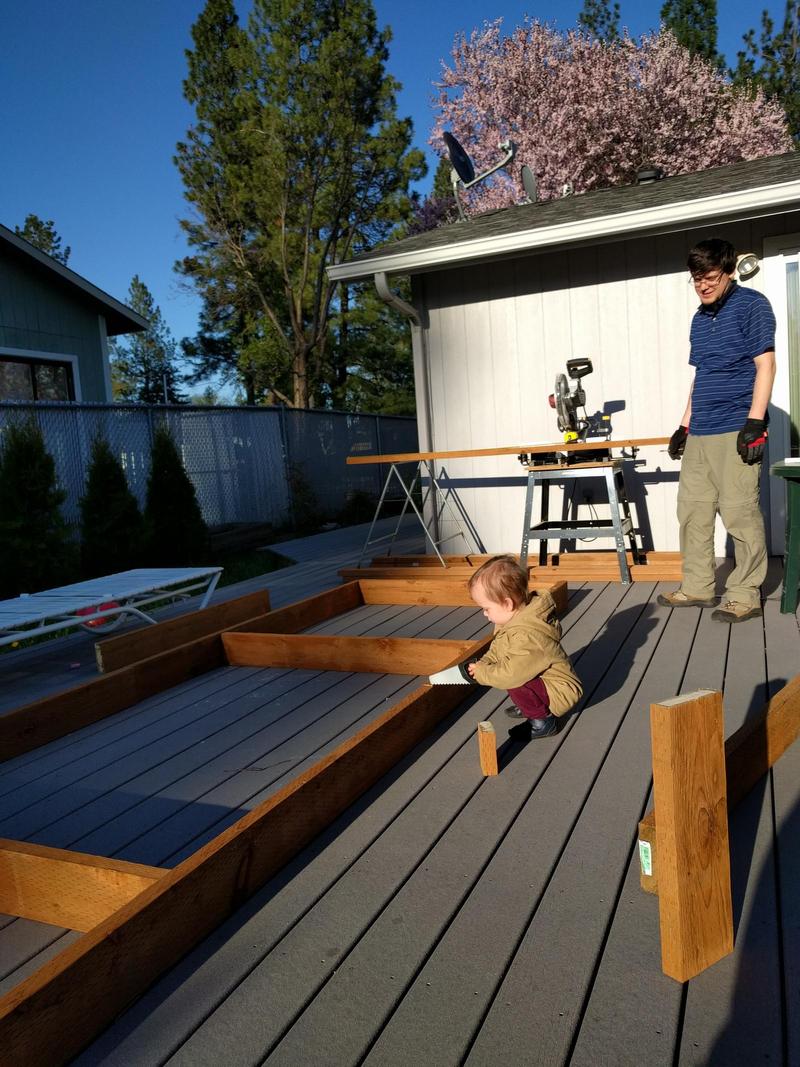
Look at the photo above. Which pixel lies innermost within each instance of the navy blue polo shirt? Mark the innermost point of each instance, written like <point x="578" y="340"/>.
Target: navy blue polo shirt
<point x="724" y="343"/>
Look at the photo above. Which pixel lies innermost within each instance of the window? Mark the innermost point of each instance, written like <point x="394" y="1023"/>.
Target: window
<point x="35" y="379"/>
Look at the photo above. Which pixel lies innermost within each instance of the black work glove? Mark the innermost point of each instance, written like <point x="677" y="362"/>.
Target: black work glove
<point x="751" y="440"/>
<point x="677" y="442"/>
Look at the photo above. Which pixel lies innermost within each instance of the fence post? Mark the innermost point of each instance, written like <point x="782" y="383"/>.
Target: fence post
<point x="378" y="448"/>
<point x="287" y="464"/>
<point x="694" y="878"/>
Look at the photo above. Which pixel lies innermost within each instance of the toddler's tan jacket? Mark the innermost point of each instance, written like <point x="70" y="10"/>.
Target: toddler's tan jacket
<point x="529" y="646"/>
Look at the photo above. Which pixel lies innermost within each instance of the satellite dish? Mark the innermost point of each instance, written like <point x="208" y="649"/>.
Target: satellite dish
<point x="529" y="184"/>
<point x="461" y="162"/>
<point x="463" y="172"/>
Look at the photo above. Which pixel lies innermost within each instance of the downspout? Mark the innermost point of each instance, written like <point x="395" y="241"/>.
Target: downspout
<point x="419" y="348"/>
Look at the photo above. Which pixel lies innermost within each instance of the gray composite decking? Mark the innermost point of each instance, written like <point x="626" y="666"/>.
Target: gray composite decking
<point x="444" y="918"/>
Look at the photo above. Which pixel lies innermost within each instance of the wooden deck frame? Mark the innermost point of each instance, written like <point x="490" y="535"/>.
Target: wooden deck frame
<point x="139" y="921"/>
<point x="69" y="889"/>
<point x="423" y="589"/>
<point x="749" y="754"/>
<point x="367" y="655"/>
<point x="55" y="716"/>
<point x="565" y="566"/>
<point x="125" y="649"/>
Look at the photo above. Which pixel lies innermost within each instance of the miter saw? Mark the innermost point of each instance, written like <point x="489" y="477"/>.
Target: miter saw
<point x="574" y="426"/>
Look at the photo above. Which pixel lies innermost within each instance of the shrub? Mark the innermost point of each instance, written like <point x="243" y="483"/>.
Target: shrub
<point x="306" y="513"/>
<point x="175" y="533"/>
<point x="111" y="523"/>
<point x="35" y="548"/>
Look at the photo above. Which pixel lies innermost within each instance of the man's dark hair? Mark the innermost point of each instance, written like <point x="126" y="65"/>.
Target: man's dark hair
<point x="713" y="254"/>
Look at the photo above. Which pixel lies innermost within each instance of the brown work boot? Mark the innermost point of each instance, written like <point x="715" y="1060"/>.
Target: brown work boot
<point x="679" y="599"/>
<point x="730" y="611"/>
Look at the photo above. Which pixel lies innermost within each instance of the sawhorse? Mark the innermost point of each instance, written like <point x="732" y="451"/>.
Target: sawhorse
<point x="432" y="494"/>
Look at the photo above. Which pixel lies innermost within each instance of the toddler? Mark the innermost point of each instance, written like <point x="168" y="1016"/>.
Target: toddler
<point x="525" y="656"/>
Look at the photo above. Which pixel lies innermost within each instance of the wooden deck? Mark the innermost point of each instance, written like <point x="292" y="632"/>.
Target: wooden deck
<point x="445" y="918"/>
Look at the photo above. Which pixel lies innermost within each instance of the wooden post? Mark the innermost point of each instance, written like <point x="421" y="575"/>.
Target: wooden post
<point x="749" y="754"/>
<point x="487" y="748"/>
<point x="694" y="879"/>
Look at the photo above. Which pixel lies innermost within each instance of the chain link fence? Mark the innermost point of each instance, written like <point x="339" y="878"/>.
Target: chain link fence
<point x="248" y="465"/>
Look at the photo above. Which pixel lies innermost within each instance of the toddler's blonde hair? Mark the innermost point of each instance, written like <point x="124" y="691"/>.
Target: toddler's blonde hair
<point x="502" y="579"/>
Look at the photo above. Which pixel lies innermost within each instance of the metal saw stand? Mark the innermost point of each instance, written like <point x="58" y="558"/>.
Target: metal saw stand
<point x="619" y="526"/>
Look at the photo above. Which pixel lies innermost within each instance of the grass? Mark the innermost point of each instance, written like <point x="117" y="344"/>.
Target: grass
<point x="241" y="565"/>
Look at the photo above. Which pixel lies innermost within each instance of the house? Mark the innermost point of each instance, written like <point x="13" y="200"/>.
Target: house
<point x="54" y="328"/>
<point x="502" y="301"/>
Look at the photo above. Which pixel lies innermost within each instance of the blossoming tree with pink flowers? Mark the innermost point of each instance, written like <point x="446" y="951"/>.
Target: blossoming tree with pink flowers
<point x="592" y="112"/>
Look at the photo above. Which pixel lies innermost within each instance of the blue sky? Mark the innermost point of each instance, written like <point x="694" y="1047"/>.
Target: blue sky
<point x="92" y="107"/>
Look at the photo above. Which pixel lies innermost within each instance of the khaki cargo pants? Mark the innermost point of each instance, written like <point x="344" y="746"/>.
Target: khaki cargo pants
<point x="714" y="479"/>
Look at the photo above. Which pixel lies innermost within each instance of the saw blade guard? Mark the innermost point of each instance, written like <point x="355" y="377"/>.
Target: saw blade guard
<point x="565" y="409"/>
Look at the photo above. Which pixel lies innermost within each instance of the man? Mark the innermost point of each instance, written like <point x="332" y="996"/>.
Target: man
<point x="722" y="435"/>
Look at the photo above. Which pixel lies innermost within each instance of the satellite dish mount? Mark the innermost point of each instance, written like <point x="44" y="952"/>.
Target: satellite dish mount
<point x="463" y="172"/>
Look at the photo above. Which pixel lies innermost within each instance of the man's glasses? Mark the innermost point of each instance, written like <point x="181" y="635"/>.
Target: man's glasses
<point x="707" y="281"/>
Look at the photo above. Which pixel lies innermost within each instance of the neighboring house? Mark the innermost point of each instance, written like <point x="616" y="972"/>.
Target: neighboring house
<point x="54" y="328"/>
<point x="502" y="301"/>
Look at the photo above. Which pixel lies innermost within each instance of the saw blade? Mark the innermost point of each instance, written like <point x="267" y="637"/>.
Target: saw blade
<point x="452" y="676"/>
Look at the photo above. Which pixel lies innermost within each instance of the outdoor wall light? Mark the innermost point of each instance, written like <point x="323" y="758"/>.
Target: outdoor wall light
<point x="747" y="264"/>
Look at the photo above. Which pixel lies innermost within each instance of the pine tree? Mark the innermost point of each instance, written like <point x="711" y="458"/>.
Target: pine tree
<point x="773" y="64"/>
<point x="175" y="533"/>
<point x="295" y="160"/>
<point x="600" y="20"/>
<point x="35" y="549"/>
<point x="438" y="208"/>
<point x="111" y="523"/>
<point x="42" y="235"/>
<point x="694" y="23"/>
<point x="144" y="367"/>
<point x="373" y="367"/>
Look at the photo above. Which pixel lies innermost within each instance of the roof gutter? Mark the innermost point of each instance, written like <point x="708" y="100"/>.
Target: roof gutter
<point x="786" y="194"/>
<point x="393" y="300"/>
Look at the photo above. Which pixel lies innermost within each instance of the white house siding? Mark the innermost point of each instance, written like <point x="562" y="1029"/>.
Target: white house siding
<point x="497" y="334"/>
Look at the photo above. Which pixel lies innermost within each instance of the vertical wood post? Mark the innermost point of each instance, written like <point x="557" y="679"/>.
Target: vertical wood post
<point x="694" y="879"/>
<point x="487" y="748"/>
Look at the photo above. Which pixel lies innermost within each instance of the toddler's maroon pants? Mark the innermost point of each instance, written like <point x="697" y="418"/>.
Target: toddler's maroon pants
<point x="532" y="699"/>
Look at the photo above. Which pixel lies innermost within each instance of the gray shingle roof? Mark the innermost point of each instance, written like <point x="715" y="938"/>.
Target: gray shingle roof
<point x="600" y="203"/>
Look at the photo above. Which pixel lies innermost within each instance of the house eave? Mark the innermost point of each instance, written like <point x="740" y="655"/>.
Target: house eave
<point x="768" y="199"/>
<point x="119" y="318"/>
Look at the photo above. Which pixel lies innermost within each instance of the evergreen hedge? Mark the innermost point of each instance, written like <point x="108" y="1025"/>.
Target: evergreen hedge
<point x="36" y="551"/>
<point x="175" y="533"/>
<point x="112" y="527"/>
